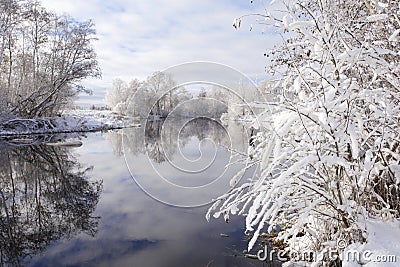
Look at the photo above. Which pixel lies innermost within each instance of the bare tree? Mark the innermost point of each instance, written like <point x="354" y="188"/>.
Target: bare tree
<point x="43" y="58"/>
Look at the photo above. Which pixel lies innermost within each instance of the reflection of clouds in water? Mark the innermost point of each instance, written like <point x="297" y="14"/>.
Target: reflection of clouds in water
<point x="170" y="236"/>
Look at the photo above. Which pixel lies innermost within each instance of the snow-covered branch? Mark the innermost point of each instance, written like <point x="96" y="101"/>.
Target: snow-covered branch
<point x="329" y="150"/>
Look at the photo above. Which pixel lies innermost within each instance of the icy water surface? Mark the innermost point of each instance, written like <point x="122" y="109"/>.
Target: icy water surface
<point x="91" y="206"/>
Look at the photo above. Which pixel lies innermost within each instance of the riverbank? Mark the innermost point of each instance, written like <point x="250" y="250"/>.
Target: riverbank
<point x="69" y="122"/>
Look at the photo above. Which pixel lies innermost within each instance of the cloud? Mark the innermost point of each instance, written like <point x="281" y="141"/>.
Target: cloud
<point x="137" y="38"/>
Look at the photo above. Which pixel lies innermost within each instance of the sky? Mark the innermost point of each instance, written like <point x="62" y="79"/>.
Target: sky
<point x="137" y="38"/>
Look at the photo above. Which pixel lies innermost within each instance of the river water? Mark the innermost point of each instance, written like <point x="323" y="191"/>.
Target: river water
<point x="130" y="197"/>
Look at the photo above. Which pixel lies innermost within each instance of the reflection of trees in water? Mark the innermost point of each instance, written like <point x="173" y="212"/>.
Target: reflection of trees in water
<point x="160" y="138"/>
<point x="115" y="139"/>
<point x="130" y="138"/>
<point x="204" y="128"/>
<point x="44" y="196"/>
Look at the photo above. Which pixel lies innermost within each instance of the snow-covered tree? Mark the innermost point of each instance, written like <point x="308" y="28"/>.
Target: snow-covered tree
<point x="120" y="97"/>
<point x="117" y="94"/>
<point x="156" y="95"/>
<point x="159" y="87"/>
<point x="329" y="151"/>
<point x="133" y="87"/>
<point x="43" y="57"/>
<point x="7" y="21"/>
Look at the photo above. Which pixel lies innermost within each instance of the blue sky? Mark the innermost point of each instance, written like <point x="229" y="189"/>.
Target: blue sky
<point x="137" y="38"/>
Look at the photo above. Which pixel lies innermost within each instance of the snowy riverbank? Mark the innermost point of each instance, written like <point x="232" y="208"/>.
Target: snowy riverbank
<point x="71" y="121"/>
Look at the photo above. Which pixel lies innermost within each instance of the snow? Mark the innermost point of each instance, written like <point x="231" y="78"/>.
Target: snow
<point x="69" y="143"/>
<point x="300" y="24"/>
<point x="102" y="119"/>
<point x="377" y="17"/>
<point x="393" y="37"/>
<point x="328" y="149"/>
<point x="247" y="118"/>
<point x="70" y="121"/>
<point x="395" y="168"/>
<point x="381" y="248"/>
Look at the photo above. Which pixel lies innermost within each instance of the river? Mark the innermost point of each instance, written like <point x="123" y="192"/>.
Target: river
<point x="129" y="197"/>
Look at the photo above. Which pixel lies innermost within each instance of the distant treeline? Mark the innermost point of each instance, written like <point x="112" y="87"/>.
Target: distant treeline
<point x="159" y="95"/>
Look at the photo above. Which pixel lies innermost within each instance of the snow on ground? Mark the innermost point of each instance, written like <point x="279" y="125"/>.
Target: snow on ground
<point x="93" y="119"/>
<point x="239" y="118"/>
<point x="382" y="247"/>
<point x="70" y="121"/>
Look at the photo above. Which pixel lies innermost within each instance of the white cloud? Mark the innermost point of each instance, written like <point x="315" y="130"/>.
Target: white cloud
<point x="137" y="38"/>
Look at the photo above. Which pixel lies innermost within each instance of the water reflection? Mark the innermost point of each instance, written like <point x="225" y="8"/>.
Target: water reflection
<point x="135" y="230"/>
<point x="156" y="132"/>
<point x="187" y="162"/>
<point x="44" y="196"/>
<point x="181" y="237"/>
<point x="153" y="143"/>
